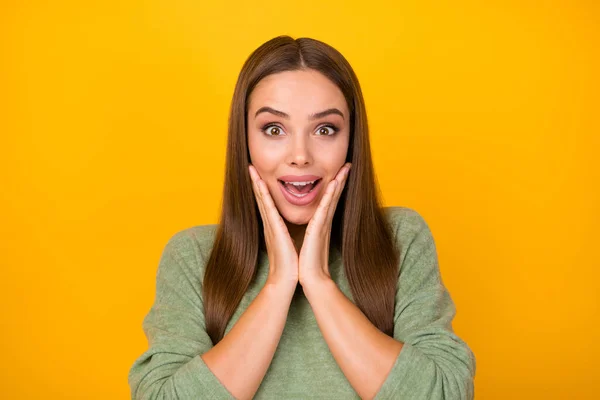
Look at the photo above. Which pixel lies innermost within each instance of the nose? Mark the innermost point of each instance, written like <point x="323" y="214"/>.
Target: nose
<point x="300" y="153"/>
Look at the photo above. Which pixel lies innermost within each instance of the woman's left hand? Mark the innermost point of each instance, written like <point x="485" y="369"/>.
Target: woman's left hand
<point x="313" y="262"/>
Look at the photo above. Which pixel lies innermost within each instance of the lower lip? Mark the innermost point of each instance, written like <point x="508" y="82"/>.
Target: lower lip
<point x="300" y="201"/>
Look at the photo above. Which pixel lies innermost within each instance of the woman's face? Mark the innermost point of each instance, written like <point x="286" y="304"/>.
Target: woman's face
<point x="298" y="130"/>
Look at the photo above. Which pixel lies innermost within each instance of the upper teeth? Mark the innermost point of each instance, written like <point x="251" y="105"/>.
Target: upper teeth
<point x="301" y="183"/>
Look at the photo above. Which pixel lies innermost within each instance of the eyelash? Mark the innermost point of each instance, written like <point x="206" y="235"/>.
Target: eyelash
<point x="269" y="125"/>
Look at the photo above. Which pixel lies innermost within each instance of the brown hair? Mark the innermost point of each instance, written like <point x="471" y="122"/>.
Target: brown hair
<point x="359" y="229"/>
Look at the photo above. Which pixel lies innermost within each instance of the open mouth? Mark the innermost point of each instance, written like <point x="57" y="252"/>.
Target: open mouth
<point x="300" y="189"/>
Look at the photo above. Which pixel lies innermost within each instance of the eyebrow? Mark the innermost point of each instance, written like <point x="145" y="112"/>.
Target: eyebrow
<point x="318" y="115"/>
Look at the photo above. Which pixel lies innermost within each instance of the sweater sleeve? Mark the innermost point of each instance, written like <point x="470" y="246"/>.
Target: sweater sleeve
<point x="434" y="362"/>
<point x="171" y="367"/>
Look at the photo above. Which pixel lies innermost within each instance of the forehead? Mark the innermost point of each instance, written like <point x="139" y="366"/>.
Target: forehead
<point x="301" y="91"/>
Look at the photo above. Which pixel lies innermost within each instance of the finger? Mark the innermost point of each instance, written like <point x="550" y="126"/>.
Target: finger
<point x="320" y="216"/>
<point x="269" y="210"/>
<point x="341" y="177"/>
<point x="258" y="195"/>
<point x="273" y="215"/>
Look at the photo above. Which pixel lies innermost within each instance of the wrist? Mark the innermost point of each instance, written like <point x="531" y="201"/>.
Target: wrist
<point x="316" y="286"/>
<point x="280" y="287"/>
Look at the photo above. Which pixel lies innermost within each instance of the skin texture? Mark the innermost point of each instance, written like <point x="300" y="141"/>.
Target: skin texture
<point x="312" y="264"/>
<point x="298" y="236"/>
<point x="299" y="145"/>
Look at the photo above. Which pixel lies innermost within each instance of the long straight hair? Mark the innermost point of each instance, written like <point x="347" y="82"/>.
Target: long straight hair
<point x="359" y="229"/>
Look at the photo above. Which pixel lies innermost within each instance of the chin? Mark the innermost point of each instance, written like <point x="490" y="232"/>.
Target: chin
<point x="297" y="217"/>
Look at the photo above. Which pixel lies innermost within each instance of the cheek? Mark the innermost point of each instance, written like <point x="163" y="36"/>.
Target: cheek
<point x="265" y="163"/>
<point x="334" y="158"/>
<point x="263" y="157"/>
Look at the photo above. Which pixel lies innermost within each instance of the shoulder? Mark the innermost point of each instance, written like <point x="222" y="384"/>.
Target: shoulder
<point x="191" y="247"/>
<point x="413" y="237"/>
<point x="405" y="222"/>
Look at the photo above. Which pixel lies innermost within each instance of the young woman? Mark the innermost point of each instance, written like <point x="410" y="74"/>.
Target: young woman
<point x="307" y="288"/>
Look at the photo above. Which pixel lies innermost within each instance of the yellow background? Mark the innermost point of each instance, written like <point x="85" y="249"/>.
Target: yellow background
<point x="484" y="119"/>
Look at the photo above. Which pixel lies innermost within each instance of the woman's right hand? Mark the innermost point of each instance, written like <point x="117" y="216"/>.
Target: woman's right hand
<point x="283" y="258"/>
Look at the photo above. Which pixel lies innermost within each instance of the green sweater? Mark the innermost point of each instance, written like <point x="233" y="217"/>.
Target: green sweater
<point x="434" y="362"/>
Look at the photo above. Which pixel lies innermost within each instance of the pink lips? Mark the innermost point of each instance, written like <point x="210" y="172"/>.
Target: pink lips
<point x="301" y="201"/>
